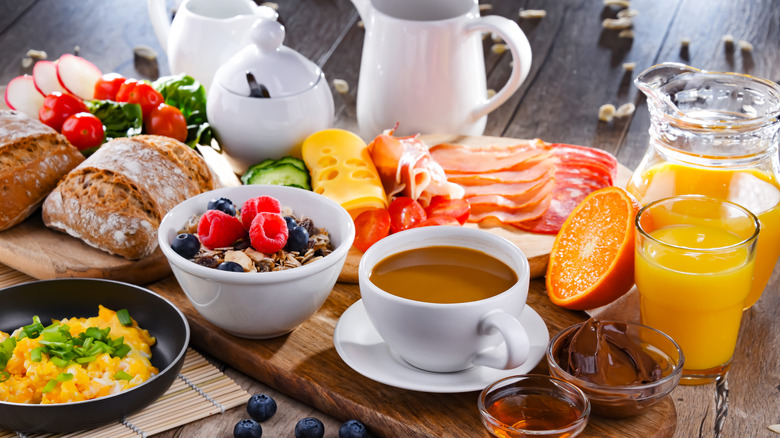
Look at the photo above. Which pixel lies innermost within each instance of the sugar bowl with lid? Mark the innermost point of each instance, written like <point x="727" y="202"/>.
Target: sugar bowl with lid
<point x="267" y="99"/>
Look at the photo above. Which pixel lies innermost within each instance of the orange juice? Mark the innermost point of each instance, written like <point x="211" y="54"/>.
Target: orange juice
<point x="694" y="297"/>
<point x="755" y="190"/>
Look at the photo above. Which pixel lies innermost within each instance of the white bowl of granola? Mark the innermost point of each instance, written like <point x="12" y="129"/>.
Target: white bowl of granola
<point x="277" y="295"/>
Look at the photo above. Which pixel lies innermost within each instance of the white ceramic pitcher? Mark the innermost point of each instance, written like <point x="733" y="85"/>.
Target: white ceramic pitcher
<point x="423" y="66"/>
<point x="204" y="33"/>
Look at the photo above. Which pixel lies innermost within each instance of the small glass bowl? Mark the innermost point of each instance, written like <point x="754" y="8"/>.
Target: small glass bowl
<point x="629" y="400"/>
<point x="533" y="405"/>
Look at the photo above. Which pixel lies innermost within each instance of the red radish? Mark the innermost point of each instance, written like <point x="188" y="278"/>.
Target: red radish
<point x="78" y="75"/>
<point x="45" y="76"/>
<point x="21" y="95"/>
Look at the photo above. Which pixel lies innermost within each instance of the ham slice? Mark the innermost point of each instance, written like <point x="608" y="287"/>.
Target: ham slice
<point x="406" y="168"/>
<point x="462" y="159"/>
<point x="542" y="169"/>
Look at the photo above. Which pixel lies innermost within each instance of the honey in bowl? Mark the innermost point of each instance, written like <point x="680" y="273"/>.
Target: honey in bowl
<point x="534" y="412"/>
<point x="443" y="274"/>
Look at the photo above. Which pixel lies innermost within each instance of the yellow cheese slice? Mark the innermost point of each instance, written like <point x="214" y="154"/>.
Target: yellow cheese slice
<point x="341" y="169"/>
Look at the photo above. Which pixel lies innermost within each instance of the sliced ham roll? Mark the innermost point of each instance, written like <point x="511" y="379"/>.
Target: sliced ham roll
<point x="406" y="168"/>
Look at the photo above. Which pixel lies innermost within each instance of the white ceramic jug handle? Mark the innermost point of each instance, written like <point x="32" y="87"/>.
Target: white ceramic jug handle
<point x="518" y="45"/>
<point x="515" y="338"/>
<point x="161" y="23"/>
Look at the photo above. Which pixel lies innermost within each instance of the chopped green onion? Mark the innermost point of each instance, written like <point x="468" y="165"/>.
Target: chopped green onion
<point x="6" y="351"/>
<point x="35" y="354"/>
<point x="121" y="375"/>
<point x="62" y="363"/>
<point x="122" y="351"/>
<point x="86" y="359"/>
<point x="64" y="377"/>
<point x="49" y="386"/>
<point x="124" y="317"/>
<point x="4" y="375"/>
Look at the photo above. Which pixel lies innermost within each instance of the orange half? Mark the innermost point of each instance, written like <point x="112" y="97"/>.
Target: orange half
<point x="592" y="259"/>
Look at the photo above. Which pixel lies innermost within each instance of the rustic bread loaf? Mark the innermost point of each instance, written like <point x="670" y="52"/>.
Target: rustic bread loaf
<point x="33" y="158"/>
<point x="117" y="197"/>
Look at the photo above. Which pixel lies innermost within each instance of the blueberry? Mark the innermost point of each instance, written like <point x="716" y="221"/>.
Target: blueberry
<point x="247" y="429"/>
<point x="261" y="407"/>
<point x="230" y="266"/>
<point x="297" y="239"/>
<point x="186" y="245"/>
<point x="291" y="223"/>
<point x="224" y="205"/>
<point x="309" y="427"/>
<point x="353" y="429"/>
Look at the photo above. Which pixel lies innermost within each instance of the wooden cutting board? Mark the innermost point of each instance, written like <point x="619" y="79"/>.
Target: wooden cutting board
<point x="43" y="253"/>
<point x="305" y="365"/>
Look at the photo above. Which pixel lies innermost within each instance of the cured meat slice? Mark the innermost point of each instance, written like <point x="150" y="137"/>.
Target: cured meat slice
<point x="542" y="169"/>
<point x="570" y="190"/>
<point x="406" y="168"/>
<point x="501" y="188"/>
<point x="464" y="159"/>
<point x="519" y="200"/>
<point x="510" y="216"/>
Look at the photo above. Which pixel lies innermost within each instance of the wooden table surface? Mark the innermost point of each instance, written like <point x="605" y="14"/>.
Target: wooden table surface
<point x="577" y="67"/>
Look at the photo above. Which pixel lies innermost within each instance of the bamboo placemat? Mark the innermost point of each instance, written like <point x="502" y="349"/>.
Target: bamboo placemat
<point x="200" y="390"/>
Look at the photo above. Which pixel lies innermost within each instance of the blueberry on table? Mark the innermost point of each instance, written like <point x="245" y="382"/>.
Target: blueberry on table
<point x="186" y="245"/>
<point x="297" y="239"/>
<point x="224" y="205"/>
<point x="309" y="427"/>
<point x="353" y="429"/>
<point x="230" y="266"/>
<point x="247" y="429"/>
<point x="291" y="223"/>
<point x="261" y="407"/>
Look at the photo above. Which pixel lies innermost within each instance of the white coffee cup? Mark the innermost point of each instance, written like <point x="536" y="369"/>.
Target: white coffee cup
<point x="454" y="336"/>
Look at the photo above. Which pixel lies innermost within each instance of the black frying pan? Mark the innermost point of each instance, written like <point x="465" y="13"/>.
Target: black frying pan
<point x="65" y="298"/>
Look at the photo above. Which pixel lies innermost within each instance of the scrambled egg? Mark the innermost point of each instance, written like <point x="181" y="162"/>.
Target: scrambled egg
<point x="26" y="378"/>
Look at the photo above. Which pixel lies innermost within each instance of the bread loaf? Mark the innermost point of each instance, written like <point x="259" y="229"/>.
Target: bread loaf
<point x="33" y="158"/>
<point x="117" y="197"/>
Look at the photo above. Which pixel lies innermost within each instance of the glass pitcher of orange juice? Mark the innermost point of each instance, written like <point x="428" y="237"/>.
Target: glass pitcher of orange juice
<point x="715" y="134"/>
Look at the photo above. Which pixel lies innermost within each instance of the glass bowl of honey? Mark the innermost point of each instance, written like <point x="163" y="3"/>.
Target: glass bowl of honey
<point x="533" y="405"/>
<point x="624" y="368"/>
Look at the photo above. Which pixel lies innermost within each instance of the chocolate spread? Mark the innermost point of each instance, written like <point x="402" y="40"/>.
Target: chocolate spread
<point x="606" y="354"/>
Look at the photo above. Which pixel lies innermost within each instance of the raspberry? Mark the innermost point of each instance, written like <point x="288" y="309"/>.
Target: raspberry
<point x="268" y="232"/>
<point x="257" y="205"/>
<point x="218" y="230"/>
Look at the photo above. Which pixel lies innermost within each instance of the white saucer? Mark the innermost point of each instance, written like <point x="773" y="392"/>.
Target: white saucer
<point x="361" y="347"/>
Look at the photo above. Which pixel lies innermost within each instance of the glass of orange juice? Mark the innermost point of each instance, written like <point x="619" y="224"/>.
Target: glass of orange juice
<point x="694" y="260"/>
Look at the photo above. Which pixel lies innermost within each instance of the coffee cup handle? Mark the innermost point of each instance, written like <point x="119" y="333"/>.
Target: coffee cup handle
<point x="515" y="338"/>
<point x="518" y="45"/>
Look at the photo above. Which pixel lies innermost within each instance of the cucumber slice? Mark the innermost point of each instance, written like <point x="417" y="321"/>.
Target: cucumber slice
<point x="249" y="174"/>
<point x="280" y="174"/>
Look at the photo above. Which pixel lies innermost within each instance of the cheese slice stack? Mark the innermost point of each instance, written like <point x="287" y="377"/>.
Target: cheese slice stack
<point x="341" y="169"/>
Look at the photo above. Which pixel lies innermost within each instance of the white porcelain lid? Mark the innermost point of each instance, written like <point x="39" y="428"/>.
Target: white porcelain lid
<point x="283" y="71"/>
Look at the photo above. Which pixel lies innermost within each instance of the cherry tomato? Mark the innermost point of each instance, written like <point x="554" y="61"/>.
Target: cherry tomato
<point x="460" y="209"/>
<point x="405" y="213"/>
<point x="84" y="130"/>
<point x="140" y="92"/>
<point x="440" y="220"/>
<point x="167" y="120"/>
<point x="370" y="227"/>
<point x="108" y="85"/>
<point x="59" y="106"/>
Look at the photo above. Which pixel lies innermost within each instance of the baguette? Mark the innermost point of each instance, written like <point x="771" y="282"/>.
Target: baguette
<point x="115" y="199"/>
<point x="33" y="158"/>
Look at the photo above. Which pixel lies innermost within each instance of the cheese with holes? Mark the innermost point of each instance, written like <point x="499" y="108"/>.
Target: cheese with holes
<point x="341" y="169"/>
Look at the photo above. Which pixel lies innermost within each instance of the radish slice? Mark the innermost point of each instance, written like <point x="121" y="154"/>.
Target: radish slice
<point x="78" y="75"/>
<point x="45" y="76"/>
<point x="21" y="95"/>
